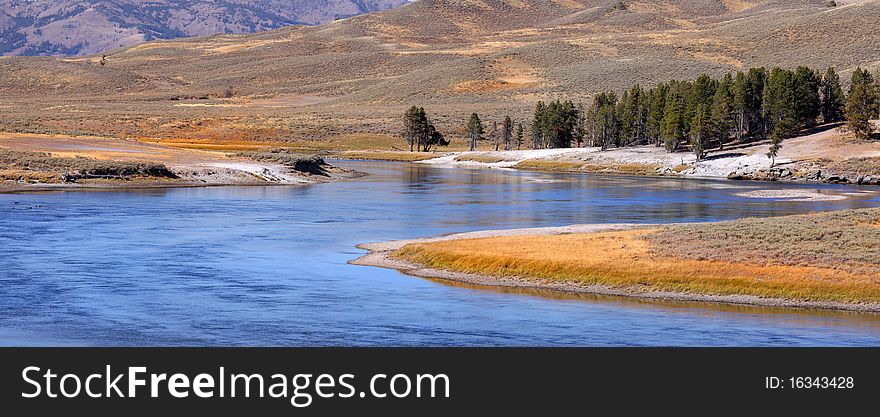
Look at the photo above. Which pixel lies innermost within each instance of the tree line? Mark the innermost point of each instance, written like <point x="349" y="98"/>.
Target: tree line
<point x="699" y="114"/>
<point x="740" y="107"/>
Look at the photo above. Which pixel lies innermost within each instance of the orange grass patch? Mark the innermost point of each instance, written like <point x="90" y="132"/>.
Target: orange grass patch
<point x="401" y="156"/>
<point x="548" y="165"/>
<point x="609" y="168"/>
<point x="624" y="259"/>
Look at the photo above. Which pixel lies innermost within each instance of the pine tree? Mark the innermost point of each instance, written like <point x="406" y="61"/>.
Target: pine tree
<point x="808" y="104"/>
<point x="560" y="123"/>
<point x="674" y="129"/>
<point x="414" y="125"/>
<point x="506" y="132"/>
<point x="748" y="102"/>
<point x="776" y="139"/>
<point x="862" y="104"/>
<point x="702" y="128"/>
<point x="432" y="138"/>
<point x="518" y="136"/>
<point x="474" y="131"/>
<point x="580" y="130"/>
<point x="633" y="116"/>
<point x="833" y="99"/>
<point x="656" y="108"/>
<point x="604" y="126"/>
<point x="419" y="132"/>
<point x="781" y="104"/>
<point x="538" y="126"/>
<point x="702" y="91"/>
<point x="493" y="134"/>
<point x="723" y="116"/>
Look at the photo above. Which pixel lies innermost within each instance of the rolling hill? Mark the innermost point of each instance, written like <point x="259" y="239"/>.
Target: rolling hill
<point x="356" y="75"/>
<point x="76" y="27"/>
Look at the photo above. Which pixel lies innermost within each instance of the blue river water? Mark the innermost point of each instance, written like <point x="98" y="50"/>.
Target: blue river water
<point x="267" y="266"/>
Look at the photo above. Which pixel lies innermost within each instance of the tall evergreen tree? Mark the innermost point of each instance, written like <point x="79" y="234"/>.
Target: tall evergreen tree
<point x="518" y="136"/>
<point x="414" y="126"/>
<point x="808" y="104"/>
<point x="862" y="104"/>
<point x="674" y="126"/>
<point x="722" y="114"/>
<point x="560" y="123"/>
<point x="748" y="101"/>
<point x="781" y="109"/>
<point x="633" y="116"/>
<point x="604" y="126"/>
<point x="474" y="131"/>
<point x="833" y="99"/>
<point x="538" y="141"/>
<point x="432" y="138"/>
<point x="701" y="93"/>
<point x="507" y="132"/>
<point x="580" y="130"/>
<point x="702" y="129"/>
<point x="494" y="137"/>
<point x="656" y="107"/>
<point x="419" y="132"/>
<point x="781" y="104"/>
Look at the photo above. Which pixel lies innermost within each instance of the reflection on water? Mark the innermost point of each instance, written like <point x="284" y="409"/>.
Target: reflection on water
<point x="267" y="265"/>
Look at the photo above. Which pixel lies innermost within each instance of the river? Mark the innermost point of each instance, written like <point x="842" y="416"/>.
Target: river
<point x="267" y="266"/>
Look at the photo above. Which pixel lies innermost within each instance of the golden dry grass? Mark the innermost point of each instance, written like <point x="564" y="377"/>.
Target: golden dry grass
<point x="625" y="259"/>
<point x="546" y="165"/>
<point x="220" y="147"/>
<point x="29" y="176"/>
<point x="620" y="168"/>
<point x="400" y="156"/>
<point x="485" y="159"/>
<point x="602" y="168"/>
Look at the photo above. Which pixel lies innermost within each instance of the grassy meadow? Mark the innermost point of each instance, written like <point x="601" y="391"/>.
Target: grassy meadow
<point x="817" y="257"/>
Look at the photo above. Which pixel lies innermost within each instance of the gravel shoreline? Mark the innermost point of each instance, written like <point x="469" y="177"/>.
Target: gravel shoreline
<point x="378" y="256"/>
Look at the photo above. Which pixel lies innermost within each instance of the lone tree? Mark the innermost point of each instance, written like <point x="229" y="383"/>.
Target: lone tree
<point x="518" y="136"/>
<point x="419" y="132"/>
<point x="474" y="131"/>
<point x="833" y="99"/>
<point x="506" y="132"/>
<point x="861" y="104"/>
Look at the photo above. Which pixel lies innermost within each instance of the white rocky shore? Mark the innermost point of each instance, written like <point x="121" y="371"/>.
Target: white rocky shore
<point x="801" y="159"/>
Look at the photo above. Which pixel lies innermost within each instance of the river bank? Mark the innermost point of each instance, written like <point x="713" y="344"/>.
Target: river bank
<point x="827" y="156"/>
<point x="47" y="162"/>
<point x="629" y="267"/>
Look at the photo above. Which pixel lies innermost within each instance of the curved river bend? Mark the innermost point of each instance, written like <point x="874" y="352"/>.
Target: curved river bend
<point x="267" y="265"/>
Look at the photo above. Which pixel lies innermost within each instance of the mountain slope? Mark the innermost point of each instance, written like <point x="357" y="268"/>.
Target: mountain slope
<point x="76" y="27"/>
<point x="495" y="57"/>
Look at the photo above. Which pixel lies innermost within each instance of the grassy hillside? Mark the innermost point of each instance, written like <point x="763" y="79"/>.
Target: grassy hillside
<point x="355" y="76"/>
<point x="77" y="27"/>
